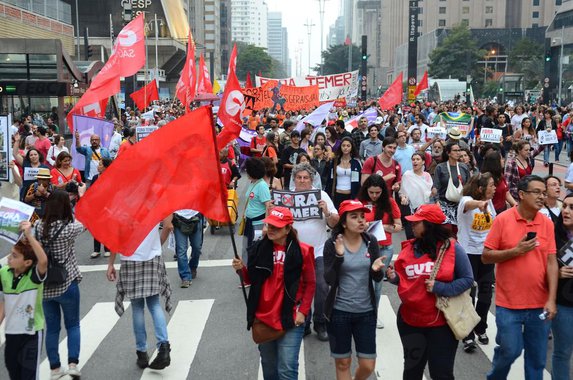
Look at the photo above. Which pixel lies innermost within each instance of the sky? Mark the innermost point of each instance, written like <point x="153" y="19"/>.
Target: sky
<point x="295" y="14"/>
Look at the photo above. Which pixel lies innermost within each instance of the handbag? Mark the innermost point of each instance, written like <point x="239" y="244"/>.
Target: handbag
<point x="263" y="333"/>
<point x="458" y="310"/>
<point x="57" y="272"/>
<point x="186" y="226"/>
<point x="454" y="194"/>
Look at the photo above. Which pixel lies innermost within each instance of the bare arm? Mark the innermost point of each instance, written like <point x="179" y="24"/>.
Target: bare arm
<point x="167" y="228"/>
<point x="491" y="256"/>
<point x="42" y="259"/>
<point x="16" y="151"/>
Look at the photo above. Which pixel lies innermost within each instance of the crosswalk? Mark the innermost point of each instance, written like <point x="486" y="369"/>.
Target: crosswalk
<point x="187" y="329"/>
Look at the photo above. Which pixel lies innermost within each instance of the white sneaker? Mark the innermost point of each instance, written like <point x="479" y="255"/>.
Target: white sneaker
<point x="379" y="324"/>
<point x="56" y="374"/>
<point x="73" y="371"/>
<point x="95" y="255"/>
<point x="106" y="254"/>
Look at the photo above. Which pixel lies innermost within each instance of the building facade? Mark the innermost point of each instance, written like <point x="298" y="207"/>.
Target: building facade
<point x="277" y="36"/>
<point x="249" y="22"/>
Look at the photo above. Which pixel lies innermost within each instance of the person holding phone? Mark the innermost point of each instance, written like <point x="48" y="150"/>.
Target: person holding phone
<point x="521" y="243"/>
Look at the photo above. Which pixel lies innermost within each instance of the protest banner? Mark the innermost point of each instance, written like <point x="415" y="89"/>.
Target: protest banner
<point x="565" y="254"/>
<point x="142" y="132"/>
<point x="330" y="87"/>
<point x="302" y="204"/>
<point x="439" y="132"/>
<point x="547" y="137"/>
<point x="491" y="135"/>
<point x="5" y="146"/>
<point x="463" y="121"/>
<point x="277" y="96"/>
<point x="88" y="126"/>
<point x="11" y="214"/>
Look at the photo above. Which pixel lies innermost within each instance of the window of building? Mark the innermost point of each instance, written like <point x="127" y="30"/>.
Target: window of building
<point x="488" y="22"/>
<point x="465" y="22"/>
<point x="465" y="10"/>
<point x="488" y="10"/>
<point x="535" y="3"/>
<point x="442" y="10"/>
<point x="535" y="14"/>
<point x="535" y="25"/>
<point x="441" y="22"/>
<point x="420" y="23"/>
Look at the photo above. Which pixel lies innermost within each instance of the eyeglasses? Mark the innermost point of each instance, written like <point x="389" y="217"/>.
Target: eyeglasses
<point x="537" y="193"/>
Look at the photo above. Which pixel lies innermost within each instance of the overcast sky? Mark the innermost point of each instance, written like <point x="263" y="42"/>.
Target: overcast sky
<point x="295" y="14"/>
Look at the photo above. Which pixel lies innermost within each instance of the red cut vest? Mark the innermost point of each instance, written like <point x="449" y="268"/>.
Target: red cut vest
<point x="418" y="306"/>
<point x="226" y="171"/>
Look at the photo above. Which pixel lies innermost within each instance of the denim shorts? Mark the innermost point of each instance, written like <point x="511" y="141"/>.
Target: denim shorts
<point x="344" y="326"/>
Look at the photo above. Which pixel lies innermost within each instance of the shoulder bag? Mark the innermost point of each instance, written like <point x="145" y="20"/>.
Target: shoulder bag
<point x="263" y="333"/>
<point x="454" y="194"/>
<point x="57" y="272"/>
<point x="458" y="310"/>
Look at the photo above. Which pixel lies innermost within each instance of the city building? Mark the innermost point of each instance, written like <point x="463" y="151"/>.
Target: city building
<point x="277" y="37"/>
<point x="336" y="35"/>
<point x="249" y="22"/>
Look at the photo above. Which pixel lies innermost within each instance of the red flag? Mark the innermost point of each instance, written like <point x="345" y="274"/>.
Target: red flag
<point x="248" y="83"/>
<point x="232" y="61"/>
<point x="185" y="89"/>
<point x="423" y="85"/>
<point x="145" y="95"/>
<point x="127" y="59"/>
<point x="204" y="82"/>
<point x="231" y="108"/>
<point x="154" y="178"/>
<point x="393" y="94"/>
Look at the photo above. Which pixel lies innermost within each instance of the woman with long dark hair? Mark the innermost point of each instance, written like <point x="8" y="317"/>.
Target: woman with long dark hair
<point x="520" y="164"/>
<point x="28" y="165"/>
<point x="57" y="232"/>
<point x="493" y="164"/>
<point x="332" y="138"/>
<point x="351" y="265"/>
<point x="344" y="179"/>
<point x="423" y="328"/>
<point x="281" y="273"/>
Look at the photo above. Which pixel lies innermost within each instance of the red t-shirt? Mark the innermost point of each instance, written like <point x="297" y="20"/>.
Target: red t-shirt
<point x="501" y="190"/>
<point x="258" y="143"/>
<point x="43" y="146"/>
<point x="386" y="219"/>
<point x="59" y="178"/>
<point x="382" y="170"/>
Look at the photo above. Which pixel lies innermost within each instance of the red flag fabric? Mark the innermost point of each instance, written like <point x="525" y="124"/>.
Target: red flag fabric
<point x="204" y="81"/>
<point x="127" y="59"/>
<point x="154" y="178"/>
<point x="393" y="94"/>
<point x="145" y="95"/>
<point x="248" y="82"/>
<point x="423" y="85"/>
<point x="185" y="89"/>
<point x="231" y="108"/>
<point x="232" y="61"/>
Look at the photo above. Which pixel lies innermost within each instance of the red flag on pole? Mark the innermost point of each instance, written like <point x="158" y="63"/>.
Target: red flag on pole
<point x="127" y="59"/>
<point x="204" y="81"/>
<point x="423" y="85"/>
<point x="145" y="95"/>
<point x="231" y="108"/>
<point x="154" y="178"/>
<point x="232" y="61"/>
<point x="185" y="89"/>
<point x="248" y="82"/>
<point x="393" y="94"/>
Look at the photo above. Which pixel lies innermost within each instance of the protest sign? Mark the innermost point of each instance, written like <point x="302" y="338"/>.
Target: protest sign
<point x="376" y="228"/>
<point x="87" y="126"/>
<point x="439" y="132"/>
<point x="330" y="87"/>
<point x="302" y="204"/>
<point x="565" y="254"/>
<point x="11" y="214"/>
<point x="463" y="121"/>
<point x="142" y="132"/>
<point x="277" y="96"/>
<point x="5" y="146"/>
<point x="547" y="137"/>
<point x="491" y="135"/>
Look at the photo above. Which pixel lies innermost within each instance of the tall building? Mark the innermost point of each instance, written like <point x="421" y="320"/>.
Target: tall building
<point x="225" y="35"/>
<point x="249" y="22"/>
<point x="336" y="34"/>
<point x="277" y="38"/>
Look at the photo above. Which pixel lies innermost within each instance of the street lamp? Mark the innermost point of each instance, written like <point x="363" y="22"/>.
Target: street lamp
<point x="321" y="4"/>
<point x="560" y="63"/>
<point x="309" y="31"/>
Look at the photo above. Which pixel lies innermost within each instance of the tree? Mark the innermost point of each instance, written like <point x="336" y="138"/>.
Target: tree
<point x="526" y="58"/>
<point x="335" y="59"/>
<point x="279" y="71"/>
<point x="253" y="59"/>
<point x="457" y="56"/>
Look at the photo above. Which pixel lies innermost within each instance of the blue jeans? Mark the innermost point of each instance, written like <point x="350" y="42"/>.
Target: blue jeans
<point x="159" y="323"/>
<point x="558" y="149"/>
<point x="562" y="342"/>
<point x="279" y="358"/>
<point x="182" y="242"/>
<point x="518" y="330"/>
<point x="387" y="251"/>
<point x="69" y="304"/>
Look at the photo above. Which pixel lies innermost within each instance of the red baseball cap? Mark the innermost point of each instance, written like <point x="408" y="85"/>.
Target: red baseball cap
<point x="431" y="213"/>
<point x="351" y="205"/>
<point x="279" y="217"/>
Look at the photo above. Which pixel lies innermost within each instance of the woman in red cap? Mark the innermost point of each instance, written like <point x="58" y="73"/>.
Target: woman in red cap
<point x="351" y="264"/>
<point x="422" y="327"/>
<point x="281" y="273"/>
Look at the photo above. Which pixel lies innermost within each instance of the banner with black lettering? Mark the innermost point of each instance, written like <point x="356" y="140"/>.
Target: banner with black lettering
<point x="565" y="254"/>
<point x="302" y="204"/>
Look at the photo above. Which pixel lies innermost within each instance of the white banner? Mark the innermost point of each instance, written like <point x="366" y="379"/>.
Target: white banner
<point x="491" y="135"/>
<point x="547" y="137"/>
<point x="330" y="87"/>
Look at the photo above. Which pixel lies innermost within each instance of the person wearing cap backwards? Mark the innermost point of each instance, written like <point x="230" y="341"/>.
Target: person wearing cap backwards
<point x="351" y="264"/>
<point x="279" y="267"/>
<point x="423" y="328"/>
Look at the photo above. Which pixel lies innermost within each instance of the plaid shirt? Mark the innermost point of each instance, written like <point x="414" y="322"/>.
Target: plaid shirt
<point x="63" y="251"/>
<point x="511" y="173"/>
<point x="140" y="279"/>
<point x="358" y="136"/>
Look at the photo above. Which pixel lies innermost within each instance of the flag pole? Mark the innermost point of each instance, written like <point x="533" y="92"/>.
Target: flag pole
<point x="146" y="62"/>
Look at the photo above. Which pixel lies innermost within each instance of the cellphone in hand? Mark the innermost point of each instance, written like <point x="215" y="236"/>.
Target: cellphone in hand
<point x="530" y="236"/>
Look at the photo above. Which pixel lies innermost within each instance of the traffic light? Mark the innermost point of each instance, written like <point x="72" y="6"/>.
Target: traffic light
<point x="548" y="56"/>
<point x="90" y="51"/>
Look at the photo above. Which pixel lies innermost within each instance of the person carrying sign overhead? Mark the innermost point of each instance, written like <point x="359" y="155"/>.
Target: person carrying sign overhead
<point x="93" y="154"/>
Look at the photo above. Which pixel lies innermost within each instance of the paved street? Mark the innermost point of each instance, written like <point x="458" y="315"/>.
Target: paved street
<point x="207" y="327"/>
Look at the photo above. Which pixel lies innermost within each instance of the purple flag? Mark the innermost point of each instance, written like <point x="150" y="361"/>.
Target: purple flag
<point x="88" y="126"/>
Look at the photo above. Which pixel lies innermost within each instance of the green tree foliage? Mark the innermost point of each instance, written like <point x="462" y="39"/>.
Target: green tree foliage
<point x="526" y="58"/>
<point x="253" y="59"/>
<point x="335" y="59"/>
<point x="457" y="56"/>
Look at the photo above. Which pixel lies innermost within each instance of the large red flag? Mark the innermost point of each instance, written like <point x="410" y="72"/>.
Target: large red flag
<point x="423" y="85"/>
<point x="231" y="108"/>
<point x="154" y="178"/>
<point x="145" y="95"/>
<point x="393" y="95"/>
<point x="204" y="84"/>
<point x="127" y="59"/>
<point x="248" y="82"/>
<point x="185" y="89"/>
<point x="232" y="61"/>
